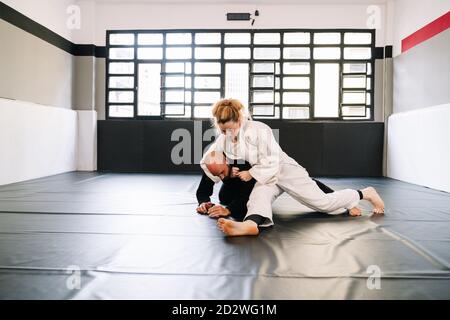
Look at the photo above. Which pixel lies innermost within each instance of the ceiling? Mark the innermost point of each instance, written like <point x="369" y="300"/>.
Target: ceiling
<point x="273" y="2"/>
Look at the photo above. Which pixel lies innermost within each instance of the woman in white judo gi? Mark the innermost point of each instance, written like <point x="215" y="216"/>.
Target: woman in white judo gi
<point x="274" y="171"/>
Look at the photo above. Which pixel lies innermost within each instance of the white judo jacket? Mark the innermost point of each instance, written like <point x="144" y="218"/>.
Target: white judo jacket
<point x="255" y="144"/>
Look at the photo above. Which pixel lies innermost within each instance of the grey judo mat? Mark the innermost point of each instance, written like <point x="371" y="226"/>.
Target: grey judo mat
<point x="137" y="236"/>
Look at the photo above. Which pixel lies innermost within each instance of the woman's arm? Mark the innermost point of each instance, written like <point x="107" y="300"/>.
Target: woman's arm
<point x="268" y="153"/>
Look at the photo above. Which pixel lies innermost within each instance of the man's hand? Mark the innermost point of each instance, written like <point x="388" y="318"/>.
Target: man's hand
<point x="204" y="207"/>
<point x="234" y="172"/>
<point x="218" y="211"/>
<point x="245" y="176"/>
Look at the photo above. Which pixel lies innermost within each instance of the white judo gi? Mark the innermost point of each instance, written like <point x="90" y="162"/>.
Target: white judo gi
<point x="275" y="172"/>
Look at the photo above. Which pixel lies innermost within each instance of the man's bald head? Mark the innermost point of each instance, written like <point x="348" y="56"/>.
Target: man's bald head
<point x="217" y="164"/>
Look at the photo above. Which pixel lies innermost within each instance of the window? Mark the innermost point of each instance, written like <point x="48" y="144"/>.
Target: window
<point x="279" y="74"/>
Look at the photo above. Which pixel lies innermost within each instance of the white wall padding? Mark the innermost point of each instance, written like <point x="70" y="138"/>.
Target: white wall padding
<point x="35" y="141"/>
<point x="419" y="147"/>
<point x="87" y="140"/>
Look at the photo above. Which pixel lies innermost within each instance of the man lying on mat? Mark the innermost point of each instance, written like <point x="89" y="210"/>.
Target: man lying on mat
<point x="234" y="193"/>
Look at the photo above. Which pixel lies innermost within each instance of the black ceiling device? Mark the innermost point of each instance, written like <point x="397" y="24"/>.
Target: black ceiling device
<point x="238" y="16"/>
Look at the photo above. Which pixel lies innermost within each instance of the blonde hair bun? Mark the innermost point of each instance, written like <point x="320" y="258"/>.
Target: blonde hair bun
<point x="228" y="110"/>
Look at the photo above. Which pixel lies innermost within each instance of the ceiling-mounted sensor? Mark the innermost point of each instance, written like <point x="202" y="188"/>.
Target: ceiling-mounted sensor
<point x="238" y="16"/>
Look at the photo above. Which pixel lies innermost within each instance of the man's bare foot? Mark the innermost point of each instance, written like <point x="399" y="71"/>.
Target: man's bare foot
<point x="371" y="195"/>
<point x="233" y="228"/>
<point x="355" y="212"/>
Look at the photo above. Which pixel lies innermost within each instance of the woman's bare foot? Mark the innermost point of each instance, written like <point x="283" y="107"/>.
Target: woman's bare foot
<point x="355" y="212"/>
<point x="233" y="228"/>
<point x="371" y="195"/>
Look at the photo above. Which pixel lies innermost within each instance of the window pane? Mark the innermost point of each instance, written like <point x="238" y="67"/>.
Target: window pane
<point x="367" y="117"/>
<point x="369" y="84"/>
<point x="207" y="68"/>
<point x="150" y="39"/>
<point x="263" y="110"/>
<point x="354" y="82"/>
<point x="263" y="81"/>
<point x="354" y="68"/>
<point x="121" y="96"/>
<point x="237" y="38"/>
<point x="203" y="112"/>
<point x="353" y="111"/>
<point x="150" y="53"/>
<point x="266" y="38"/>
<point x="121" y="39"/>
<point x="266" y="67"/>
<point x="296" y="98"/>
<point x="121" y="111"/>
<point x="326" y="90"/>
<point x="295" y="113"/>
<point x="237" y="53"/>
<point x="178" y="67"/>
<point x="207" y="82"/>
<point x="121" y="82"/>
<point x="206" y="97"/>
<point x="369" y="68"/>
<point x="296" y="53"/>
<point x="178" y="38"/>
<point x="175" y="109"/>
<point x="179" y="53"/>
<point x="327" y="38"/>
<point x="368" y="99"/>
<point x="297" y="38"/>
<point x="236" y="81"/>
<point x="327" y="53"/>
<point x="175" y="96"/>
<point x="178" y="81"/>
<point x="149" y="94"/>
<point x="266" y="112"/>
<point x="296" y="83"/>
<point x="207" y="53"/>
<point x="357" y="53"/>
<point x="207" y="38"/>
<point x="121" y="68"/>
<point x="357" y="38"/>
<point x="266" y="53"/>
<point x="296" y="68"/>
<point x="121" y="53"/>
<point x="354" y="97"/>
<point x="263" y="96"/>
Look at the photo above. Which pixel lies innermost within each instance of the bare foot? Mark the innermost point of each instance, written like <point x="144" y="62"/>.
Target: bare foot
<point x="371" y="195"/>
<point x="234" y="228"/>
<point x="355" y="212"/>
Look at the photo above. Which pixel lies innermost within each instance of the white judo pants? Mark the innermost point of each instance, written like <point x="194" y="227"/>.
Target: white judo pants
<point x="295" y="181"/>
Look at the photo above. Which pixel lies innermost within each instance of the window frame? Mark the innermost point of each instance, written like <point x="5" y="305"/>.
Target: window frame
<point x="250" y="61"/>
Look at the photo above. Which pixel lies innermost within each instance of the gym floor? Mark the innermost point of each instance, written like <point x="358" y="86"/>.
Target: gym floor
<point x="137" y="236"/>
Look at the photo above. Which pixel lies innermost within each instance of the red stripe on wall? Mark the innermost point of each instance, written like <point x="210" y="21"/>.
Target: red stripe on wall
<point x="430" y="30"/>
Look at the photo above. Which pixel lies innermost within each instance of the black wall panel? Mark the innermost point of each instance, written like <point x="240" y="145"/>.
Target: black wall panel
<point x="301" y="141"/>
<point x="119" y="146"/>
<point x="353" y="150"/>
<point x="323" y="148"/>
<point x="157" y="145"/>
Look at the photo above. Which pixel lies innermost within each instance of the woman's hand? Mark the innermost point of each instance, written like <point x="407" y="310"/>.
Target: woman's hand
<point x="234" y="172"/>
<point x="218" y="211"/>
<point x="245" y="176"/>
